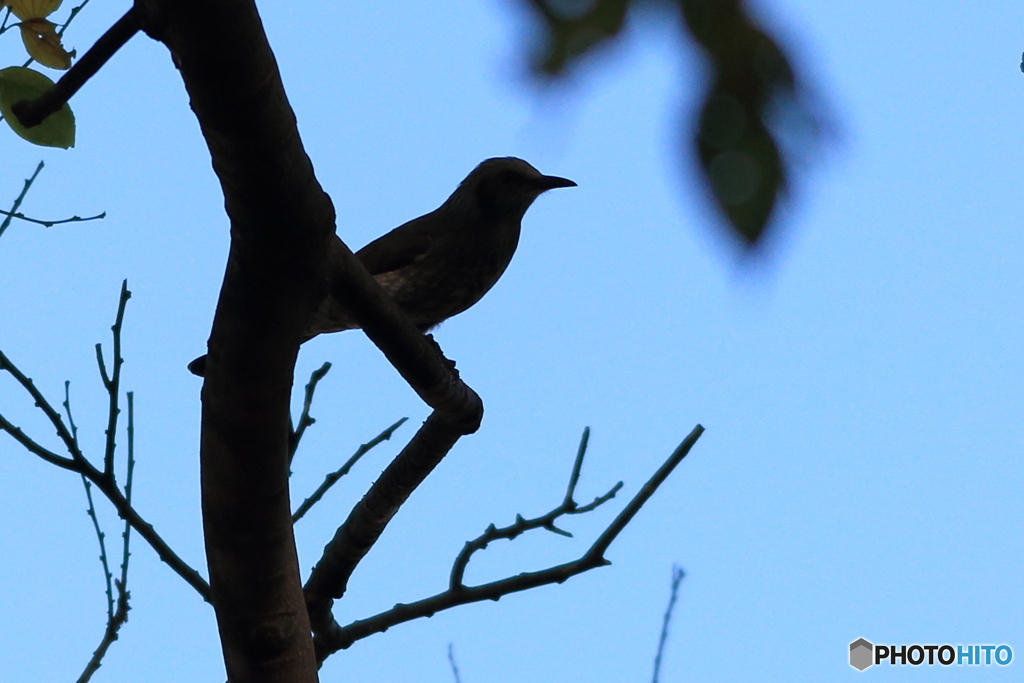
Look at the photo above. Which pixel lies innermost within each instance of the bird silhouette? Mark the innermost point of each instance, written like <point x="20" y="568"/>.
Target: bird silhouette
<point x="438" y="265"/>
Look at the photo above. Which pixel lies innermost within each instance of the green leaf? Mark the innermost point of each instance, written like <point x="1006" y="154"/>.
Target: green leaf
<point x="18" y="83"/>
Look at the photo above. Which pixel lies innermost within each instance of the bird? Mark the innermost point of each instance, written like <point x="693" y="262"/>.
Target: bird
<point x="438" y="265"/>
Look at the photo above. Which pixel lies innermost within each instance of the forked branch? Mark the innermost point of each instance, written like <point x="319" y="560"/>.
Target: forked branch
<point x="75" y="460"/>
<point x="336" y="637"/>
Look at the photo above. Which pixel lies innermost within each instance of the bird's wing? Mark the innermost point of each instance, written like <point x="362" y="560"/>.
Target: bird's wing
<point x="401" y="247"/>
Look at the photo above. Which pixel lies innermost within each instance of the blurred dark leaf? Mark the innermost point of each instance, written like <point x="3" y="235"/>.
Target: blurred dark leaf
<point x="736" y="143"/>
<point x="740" y="124"/>
<point x="576" y="26"/>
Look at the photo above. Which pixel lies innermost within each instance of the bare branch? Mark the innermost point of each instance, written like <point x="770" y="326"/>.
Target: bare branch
<point x="108" y="578"/>
<point x="577" y="466"/>
<point x="545" y="521"/>
<point x="113" y="382"/>
<point x="451" y="660"/>
<point x="78" y="462"/>
<point x="117" y="613"/>
<point x="332" y="478"/>
<point x="91" y="510"/>
<point x="52" y="415"/>
<point x="71" y="17"/>
<point x="33" y="447"/>
<point x="67" y="411"/>
<point x="304" y="419"/>
<point x="50" y="224"/>
<point x="144" y="529"/>
<point x="28" y="182"/>
<point x="129" y="478"/>
<point x="109" y="634"/>
<point x="677" y="578"/>
<point x="334" y="637"/>
<point x="645" y="492"/>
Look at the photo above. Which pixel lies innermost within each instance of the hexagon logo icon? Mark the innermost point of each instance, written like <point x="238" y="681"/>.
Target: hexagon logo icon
<point x="861" y="654"/>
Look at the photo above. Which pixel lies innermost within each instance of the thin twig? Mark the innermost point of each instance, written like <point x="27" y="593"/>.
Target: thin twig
<point x="21" y="197"/>
<point x="332" y="478"/>
<point x="451" y="660"/>
<point x="116" y="615"/>
<point x="145" y="529"/>
<point x="577" y="466"/>
<point x="677" y="578"/>
<point x="33" y="447"/>
<point x="71" y="17"/>
<point x="295" y="436"/>
<point x="91" y="511"/>
<point x="50" y="224"/>
<point x="107" y="576"/>
<point x="645" y="492"/>
<point x="52" y="415"/>
<point x="67" y="410"/>
<point x="109" y="634"/>
<point x="129" y="477"/>
<point x="113" y="382"/>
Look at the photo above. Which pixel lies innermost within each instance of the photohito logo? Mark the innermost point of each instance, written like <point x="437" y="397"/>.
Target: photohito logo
<point x="863" y="654"/>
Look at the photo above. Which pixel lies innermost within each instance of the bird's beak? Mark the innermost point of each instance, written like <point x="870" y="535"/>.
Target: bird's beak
<point x="550" y="182"/>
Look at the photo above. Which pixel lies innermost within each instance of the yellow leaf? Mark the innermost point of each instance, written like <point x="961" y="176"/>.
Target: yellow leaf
<point x="33" y="9"/>
<point x="43" y="44"/>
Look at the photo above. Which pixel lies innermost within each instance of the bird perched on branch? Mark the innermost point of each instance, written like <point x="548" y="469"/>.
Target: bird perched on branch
<point x="440" y="264"/>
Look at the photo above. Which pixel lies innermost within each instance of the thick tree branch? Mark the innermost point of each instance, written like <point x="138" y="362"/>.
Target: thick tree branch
<point x="281" y="224"/>
<point x="416" y="356"/>
<point x="457" y="411"/>
<point x="371" y="515"/>
<point x="283" y="261"/>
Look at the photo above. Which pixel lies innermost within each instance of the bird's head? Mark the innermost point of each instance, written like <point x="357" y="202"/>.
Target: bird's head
<point x="506" y="186"/>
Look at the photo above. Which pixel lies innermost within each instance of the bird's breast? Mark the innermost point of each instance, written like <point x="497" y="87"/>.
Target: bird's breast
<point x="452" y="276"/>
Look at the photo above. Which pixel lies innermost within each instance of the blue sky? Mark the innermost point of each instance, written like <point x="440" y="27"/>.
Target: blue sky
<point x="861" y="386"/>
